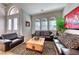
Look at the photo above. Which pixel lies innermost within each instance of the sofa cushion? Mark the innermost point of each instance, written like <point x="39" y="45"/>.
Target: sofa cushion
<point x="16" y="40"/>
<point x="4" y="41"/>
<point x="47" y="36"/>
<point x="37" y="33"/>
<point x="56" y="40"/>
<point x="0" y="37"/>
<point x="10" y="36"/>
<point x="67" y="51"/>
<point x="46" y="33"/>
<point x="70" y="41"/>
<point x="42" y="36"/>
<point x="41" y="33"/>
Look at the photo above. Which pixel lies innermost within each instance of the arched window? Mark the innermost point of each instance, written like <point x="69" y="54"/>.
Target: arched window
<point x="44" y="24"/>
<point x="52" y="23"/>
<point x="13" y="10"/>
<point x="13" y="21"/>
<point x="37" y="24"/>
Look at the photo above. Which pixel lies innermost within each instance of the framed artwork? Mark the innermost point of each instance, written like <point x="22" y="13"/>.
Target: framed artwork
<point x="72" y="19"/>
<point x="27" y="23"/>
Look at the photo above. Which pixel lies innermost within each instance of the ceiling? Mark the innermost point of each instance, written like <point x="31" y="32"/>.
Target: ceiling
<point x="35" y="8"/>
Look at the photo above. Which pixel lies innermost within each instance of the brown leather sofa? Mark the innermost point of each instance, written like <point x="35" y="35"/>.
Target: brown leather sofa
<point x="46" y="34"/>
<point x="67" y="44"/>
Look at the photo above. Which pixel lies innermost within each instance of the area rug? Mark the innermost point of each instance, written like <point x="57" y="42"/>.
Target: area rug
<point x="49" y="49"/>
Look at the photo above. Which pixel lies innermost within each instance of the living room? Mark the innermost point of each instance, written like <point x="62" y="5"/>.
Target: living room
<point x="38" y="29"/>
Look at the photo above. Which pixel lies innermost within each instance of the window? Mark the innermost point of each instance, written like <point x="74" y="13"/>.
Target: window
<point x="12" y="19"/>
<point x="37" y="24"/>
<point x="44" y="24"/>
<point x="15" y="24"/>
<point x="52" y="23"/>
<point x="9" y="24"/>
<point x="13" y="10"/>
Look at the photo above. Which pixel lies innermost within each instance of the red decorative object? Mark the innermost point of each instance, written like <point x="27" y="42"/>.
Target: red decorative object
<point x="72" y="19"/>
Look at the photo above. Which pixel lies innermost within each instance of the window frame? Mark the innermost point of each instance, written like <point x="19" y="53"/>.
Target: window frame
<point x="14" y="24"/>
<point x="52" y="19"/>
<point x="11" y="9"/>
<point x="12" y="17"/>
<point x="9" y="25"/>
<point x="42" y="20"/>
<point x="37" y="20"/>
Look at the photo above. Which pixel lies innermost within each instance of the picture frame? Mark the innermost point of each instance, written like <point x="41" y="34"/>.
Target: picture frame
<point x="27" y="23"/>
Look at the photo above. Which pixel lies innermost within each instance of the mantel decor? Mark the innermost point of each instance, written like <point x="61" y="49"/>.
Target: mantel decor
<point x="27" y="23"/>
<point x="36" y="38"/>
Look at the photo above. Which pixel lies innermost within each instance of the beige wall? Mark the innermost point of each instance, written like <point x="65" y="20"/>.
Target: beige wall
<point x="26" y="30"/>
<point x="2" y="19"/>
<point x="2" y="26"/>
<point x="56" y="13"/>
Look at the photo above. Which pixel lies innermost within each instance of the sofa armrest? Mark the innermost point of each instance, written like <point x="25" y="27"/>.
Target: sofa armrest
<point x="33" y="35"/>
<point x="58" y="46"/>
<point x="20" y="37"/>
<point x="51" y="34"/>
<point x="0" y="37"/>
<point x="5" y="41"/>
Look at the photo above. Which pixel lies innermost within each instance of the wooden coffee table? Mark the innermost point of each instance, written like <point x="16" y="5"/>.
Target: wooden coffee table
<point x="36" y="45"/>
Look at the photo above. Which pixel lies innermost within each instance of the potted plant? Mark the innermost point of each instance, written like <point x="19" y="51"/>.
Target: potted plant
<point x="60" y="25"/>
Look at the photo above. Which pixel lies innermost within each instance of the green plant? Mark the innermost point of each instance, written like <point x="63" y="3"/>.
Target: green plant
<point x="60" y="24"/>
